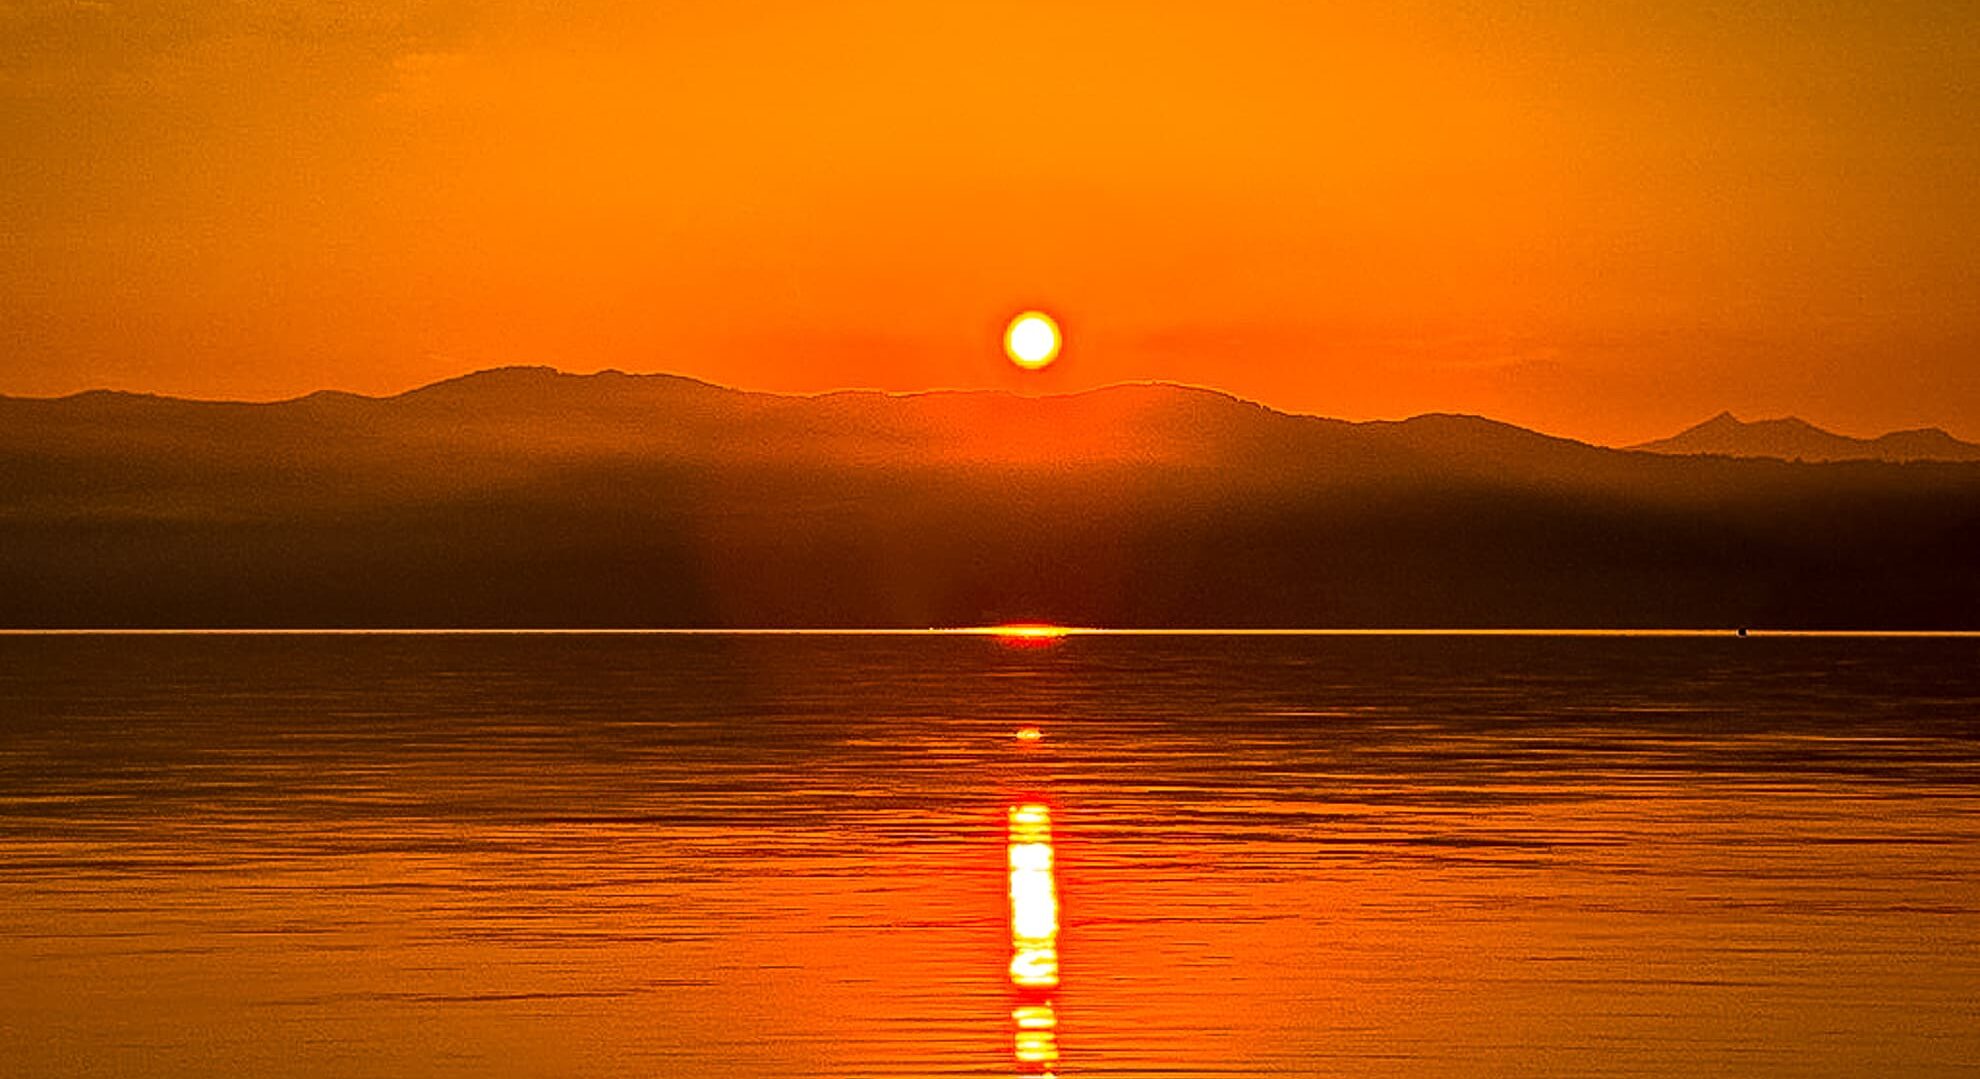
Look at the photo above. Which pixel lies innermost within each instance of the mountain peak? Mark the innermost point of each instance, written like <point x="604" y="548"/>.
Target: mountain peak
<point x="1795" y="439"/>
<point x="539" y="385"/>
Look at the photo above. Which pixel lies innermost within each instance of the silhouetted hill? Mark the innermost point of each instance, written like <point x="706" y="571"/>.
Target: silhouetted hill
<point x="525" y="497"/>
<point x="1793" y="439"/>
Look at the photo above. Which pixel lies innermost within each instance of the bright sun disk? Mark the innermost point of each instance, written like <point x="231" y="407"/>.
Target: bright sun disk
<point x="1032" y="340"/>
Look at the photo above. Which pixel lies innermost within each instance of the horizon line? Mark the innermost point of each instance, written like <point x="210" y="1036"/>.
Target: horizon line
<point x="1028" y="629"/>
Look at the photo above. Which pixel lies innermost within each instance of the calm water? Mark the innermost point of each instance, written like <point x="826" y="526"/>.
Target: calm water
<point x="793" y="856"/>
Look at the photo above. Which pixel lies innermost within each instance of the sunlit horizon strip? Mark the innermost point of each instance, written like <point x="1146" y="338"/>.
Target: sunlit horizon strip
<point x="964" y="631"/>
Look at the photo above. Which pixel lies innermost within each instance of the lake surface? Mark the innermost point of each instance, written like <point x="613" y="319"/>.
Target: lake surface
<point x="796" y="856"/>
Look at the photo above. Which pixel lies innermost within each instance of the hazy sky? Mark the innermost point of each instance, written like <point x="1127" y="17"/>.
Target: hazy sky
<point x="1605" y="220"/>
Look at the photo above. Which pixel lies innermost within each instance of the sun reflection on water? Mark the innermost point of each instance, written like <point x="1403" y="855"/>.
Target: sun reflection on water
<point x="1029" y="634"/>
<point x="1036" y="1039"/>
<point x="1034" y="968"/>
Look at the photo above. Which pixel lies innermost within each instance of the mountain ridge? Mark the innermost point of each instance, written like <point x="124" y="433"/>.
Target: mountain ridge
<point x="1785" y="438"/>
<point x="534" y="498"/>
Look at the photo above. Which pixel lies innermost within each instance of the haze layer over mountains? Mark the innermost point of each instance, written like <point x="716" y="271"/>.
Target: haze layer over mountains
<point x="524" y="497"/>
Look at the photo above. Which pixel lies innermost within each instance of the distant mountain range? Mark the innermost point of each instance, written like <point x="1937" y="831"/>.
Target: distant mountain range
<point x="1794" y="439"/>
<point x="526" y="497"/>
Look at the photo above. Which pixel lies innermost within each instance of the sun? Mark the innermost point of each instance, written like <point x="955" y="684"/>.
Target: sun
<point x="1032" y="340"/>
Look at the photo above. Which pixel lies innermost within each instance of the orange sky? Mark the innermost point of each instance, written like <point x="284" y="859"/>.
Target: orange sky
<point x="1601" y="220"/>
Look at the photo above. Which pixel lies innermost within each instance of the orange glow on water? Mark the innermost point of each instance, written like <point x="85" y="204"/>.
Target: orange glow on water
<point x="1029" y="734"/>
